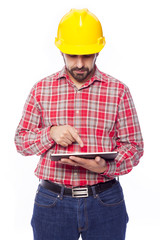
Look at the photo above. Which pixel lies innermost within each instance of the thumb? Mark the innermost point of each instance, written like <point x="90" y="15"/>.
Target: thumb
<point x="100" y="161"/>
<point x="97" y="159"/>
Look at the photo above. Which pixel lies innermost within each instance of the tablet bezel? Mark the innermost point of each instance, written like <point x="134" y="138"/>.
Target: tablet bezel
<point x="109" y="156"/>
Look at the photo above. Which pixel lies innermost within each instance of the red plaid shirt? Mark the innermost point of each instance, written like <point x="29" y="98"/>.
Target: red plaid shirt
<point x="102" y="111"/>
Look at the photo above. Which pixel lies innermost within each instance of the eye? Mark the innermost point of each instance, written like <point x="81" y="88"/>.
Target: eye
<point x="71" y="56"/>
<point x="88" y="56"/>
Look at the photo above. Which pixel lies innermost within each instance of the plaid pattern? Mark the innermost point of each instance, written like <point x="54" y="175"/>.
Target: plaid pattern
<point x="102" y="111"/>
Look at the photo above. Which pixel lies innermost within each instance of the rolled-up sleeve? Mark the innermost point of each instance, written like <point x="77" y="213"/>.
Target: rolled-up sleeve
<point x="32" y="137"/>
<point x="129" y="141"/>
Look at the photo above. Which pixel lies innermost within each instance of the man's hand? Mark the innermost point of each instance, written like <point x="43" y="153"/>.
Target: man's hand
<point x="97" y="165"/>
<point x="65" y="135"/>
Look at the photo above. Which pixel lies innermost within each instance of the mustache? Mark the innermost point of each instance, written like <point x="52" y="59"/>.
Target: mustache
<point x="80" y="69"/>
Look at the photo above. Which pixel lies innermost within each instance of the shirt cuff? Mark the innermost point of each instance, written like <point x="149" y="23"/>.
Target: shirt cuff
<point x="111" y="170"/>
<point x="46" y="140"/>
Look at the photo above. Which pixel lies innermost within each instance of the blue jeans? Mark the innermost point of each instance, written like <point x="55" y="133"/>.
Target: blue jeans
<point x="97" y="217"/>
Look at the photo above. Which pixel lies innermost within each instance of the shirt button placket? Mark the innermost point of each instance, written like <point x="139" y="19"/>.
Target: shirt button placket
<point x="77" y="109"/>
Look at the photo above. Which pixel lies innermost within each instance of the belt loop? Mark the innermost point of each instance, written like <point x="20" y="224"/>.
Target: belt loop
<point x="61" y="194"/>
<point x="94" y="191"/>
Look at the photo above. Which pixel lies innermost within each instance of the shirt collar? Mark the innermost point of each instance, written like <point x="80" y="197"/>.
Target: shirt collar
<point x="96" y="77"/>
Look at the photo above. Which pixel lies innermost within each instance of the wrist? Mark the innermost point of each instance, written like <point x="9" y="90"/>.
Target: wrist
<point x="105" y="169"/>
<point x="51" y="131"/>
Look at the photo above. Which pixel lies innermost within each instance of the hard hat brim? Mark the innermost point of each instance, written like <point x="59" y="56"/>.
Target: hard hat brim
<point x="79" y="49"/>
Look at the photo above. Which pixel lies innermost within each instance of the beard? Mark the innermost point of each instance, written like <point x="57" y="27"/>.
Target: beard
<point x="81" y="75"/>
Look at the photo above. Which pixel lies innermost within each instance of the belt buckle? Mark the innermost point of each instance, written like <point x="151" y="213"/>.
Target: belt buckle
<point x="79" y="192"/>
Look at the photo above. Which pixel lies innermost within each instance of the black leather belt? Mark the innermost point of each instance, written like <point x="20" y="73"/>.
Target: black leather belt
<point x="83" y="191"/>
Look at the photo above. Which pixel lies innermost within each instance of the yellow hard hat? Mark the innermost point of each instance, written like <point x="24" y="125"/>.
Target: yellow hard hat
<point x="80" y="33"/>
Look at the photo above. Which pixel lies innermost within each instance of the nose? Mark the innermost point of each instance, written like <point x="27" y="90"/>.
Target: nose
<point x="80" y="62"/>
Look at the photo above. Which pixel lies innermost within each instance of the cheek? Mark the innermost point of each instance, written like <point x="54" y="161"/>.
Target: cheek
<point x="91" y="66"/>
<point x="92" y="63"/>
<point x="70" y="64"/>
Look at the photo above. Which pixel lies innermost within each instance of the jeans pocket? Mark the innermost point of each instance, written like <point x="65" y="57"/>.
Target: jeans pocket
<point x="45" y="200"/>
<point x="111" y="197"/>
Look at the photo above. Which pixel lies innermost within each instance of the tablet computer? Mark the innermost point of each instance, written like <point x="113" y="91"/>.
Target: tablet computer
<point x="105" y="155"/>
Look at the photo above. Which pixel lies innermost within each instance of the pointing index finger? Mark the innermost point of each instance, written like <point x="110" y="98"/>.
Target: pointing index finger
<point x="77" y="138"/>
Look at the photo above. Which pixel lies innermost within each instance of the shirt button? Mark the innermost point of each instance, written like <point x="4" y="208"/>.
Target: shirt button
<point x="77" y="112"/>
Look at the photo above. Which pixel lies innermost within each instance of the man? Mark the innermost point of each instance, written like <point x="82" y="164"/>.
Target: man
<point x="80" y="109"/>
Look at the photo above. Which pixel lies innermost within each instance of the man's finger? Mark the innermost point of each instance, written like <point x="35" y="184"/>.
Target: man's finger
<point x="76" y="137"/>
<point x="78" y="160"/>
<point x="68" y="162"/>
<point x="69" y="139"/>
<point x="64" y="144"/>
<point x="100" y="161"/>
<point x="97" y="159"/>
<point x="69" y="136"/>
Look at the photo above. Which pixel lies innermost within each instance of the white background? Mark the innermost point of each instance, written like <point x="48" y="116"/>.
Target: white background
<point x="28" y="54"/>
